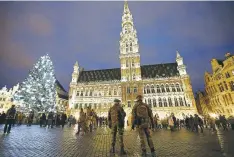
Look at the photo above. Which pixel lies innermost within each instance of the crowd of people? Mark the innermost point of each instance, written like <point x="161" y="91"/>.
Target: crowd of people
<point x="88" y="120"/>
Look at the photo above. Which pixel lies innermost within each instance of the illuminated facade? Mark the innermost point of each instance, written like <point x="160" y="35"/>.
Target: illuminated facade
<point x="165" y="87"/>
<point x="219" y="88"/>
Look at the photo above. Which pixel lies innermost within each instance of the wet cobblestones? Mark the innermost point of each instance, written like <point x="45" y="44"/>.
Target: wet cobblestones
<point x="34" y="141"/>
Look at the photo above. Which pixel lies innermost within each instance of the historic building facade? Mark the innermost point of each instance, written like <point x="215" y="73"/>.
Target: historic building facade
<point x="61" y="97"/>
<point x="6" y="97"/>
<point x="218" y="97"/>
<point x="165" y="87"/>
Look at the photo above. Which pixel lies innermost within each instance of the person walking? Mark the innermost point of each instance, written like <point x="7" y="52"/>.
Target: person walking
<point x="142" y="117"/>
<point x="10" y="117"/>
<point x="63" y="119"/>
<point x="116" y="117"/>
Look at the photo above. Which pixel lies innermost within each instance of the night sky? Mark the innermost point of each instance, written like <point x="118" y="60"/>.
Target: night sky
<point x="89" y="32"/>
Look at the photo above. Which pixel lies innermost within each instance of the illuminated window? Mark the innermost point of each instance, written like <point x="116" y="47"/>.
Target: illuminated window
<point x="165" y="102"/>
<point x="148" y="89"/>
<point x="176" y="102"/>
<point x="149" y="103"/>
<point x="134" y="77"/>
<point x="181" y="101"/>
<point x="135" y="90"/>
<point x="130" y="47"/>
<point x="160" y="102"/>
<point x="126" y="63"/>
<point x="158" y="89"/>
<point x="115" y="92"/>
<point x="167" y="88"/>
<point x="170" y="102"/>
<point x="173" y="88"/>
<point x="127" y="47"/>
<point x="128" y="90"/>
<point x="133" y="64"/>
<point x="178" y="87"/>
<point x="152" y="89"/>
<point x="129" y="103"/>
<point x="163" y="89"/>
<point x="154" y="102"/>
<point x="78" y="93"/>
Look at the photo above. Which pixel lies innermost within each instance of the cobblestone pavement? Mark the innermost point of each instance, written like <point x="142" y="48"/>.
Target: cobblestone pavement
<point x="34" y="141"/>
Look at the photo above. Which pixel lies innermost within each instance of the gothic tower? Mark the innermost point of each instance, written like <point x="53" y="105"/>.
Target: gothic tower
<point x="129" y="58"/>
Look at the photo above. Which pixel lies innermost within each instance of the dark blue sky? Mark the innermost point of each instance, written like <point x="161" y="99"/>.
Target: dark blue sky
<point x="89" y="32"/>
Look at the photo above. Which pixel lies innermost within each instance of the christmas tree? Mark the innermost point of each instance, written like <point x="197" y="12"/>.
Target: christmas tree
<point x="38" y="91"/>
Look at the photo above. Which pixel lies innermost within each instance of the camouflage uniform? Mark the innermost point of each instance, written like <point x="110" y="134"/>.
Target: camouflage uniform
<point x="116" y="116"/>
<point x="142" y="117"/>
<point x="82" y="122"/>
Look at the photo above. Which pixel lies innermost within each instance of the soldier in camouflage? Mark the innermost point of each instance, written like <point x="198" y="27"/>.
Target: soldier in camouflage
<point x="116" y="117"/>
<point x="142" y="117"/>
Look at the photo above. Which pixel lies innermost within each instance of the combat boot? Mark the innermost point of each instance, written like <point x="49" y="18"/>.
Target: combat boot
<point x="112" y="149"/>
<point x="153" y="154"/>
<point x="122" y="151"/>
<point x="143" y="154"/>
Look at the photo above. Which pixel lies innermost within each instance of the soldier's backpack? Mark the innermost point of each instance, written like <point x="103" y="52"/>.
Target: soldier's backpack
<point x="114" y="114"/>
<point x="142" y="111"/>
<point x="11" y="113"/>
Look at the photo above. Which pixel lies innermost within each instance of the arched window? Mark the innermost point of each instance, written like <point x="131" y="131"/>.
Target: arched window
<point x="149" y="103"/>
<point x="181" y="101"/>
<point x="178" y="88"/>
<point x="77" y="93"/>
<point x="126" y="63"/>
<point x="160" y="102"/>
<point x="90" y="93"/>
<point x="176" y="102"/>
<point x="95" y="106"/>
<point x="170" y="102"/>
<point x="109" y="92"/>
<point x="167" y="88"/>
<point x="81" y="93"/>
<point x="127" y="47"/>
<point x="158" y="89"/>
<point x="80" y="106"/>
<point x="133" y="76"/>
<point x="86" y="93"/>
<point x="152" y="89"/>
<point x="125" y="30"/>
<point x="145" y="90"/>
<point x="148" y="89"/>
<point x="85" y="106"/>
<point x="173" y="88"/>
<point x="186" y="102"/>
<point x="165" y="102"/>
<point x="135" y="89"/>
<point x="131" y="47"/>
<point x="181" y="87"/>
<point x="163" y="89"/>
<point x="154" y="102"/>
<point x="115" y="92"/>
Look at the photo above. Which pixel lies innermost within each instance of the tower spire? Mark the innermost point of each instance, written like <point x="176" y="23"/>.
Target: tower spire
<point x="126" y="8"/>
<point x="129" y="48"/>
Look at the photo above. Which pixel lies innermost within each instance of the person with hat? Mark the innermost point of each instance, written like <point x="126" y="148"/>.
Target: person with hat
<point x="142" y="116"/>
<point x="10" y="117"/>
<point x="116" y="117"/>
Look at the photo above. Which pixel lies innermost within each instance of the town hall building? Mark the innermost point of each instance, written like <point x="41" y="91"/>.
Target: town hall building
<point x="166" y="88"/>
